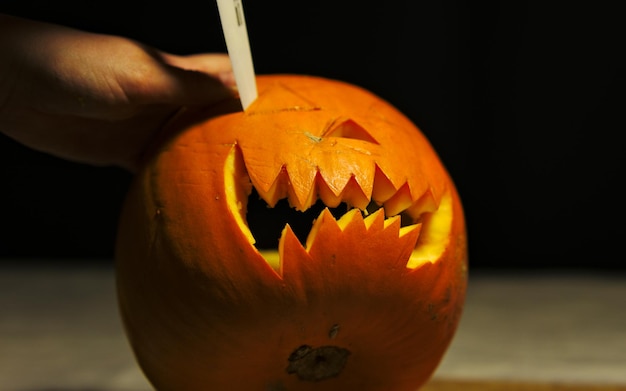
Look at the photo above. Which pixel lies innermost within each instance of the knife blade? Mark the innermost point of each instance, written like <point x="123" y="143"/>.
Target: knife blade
<point x="238" y="46"/>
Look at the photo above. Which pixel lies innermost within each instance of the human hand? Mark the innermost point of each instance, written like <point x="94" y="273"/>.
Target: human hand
<point x="94" y="98"/>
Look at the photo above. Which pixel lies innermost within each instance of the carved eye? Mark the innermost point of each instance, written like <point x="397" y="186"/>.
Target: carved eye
<point x="348" y="128"/>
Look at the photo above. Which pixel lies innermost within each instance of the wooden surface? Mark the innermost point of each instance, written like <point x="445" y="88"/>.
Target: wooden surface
<point x="60" y="331"/>
<point x="487" y="385"/>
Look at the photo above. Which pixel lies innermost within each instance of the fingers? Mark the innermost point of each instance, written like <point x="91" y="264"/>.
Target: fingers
<point x="201" y="79"/>
<point x="215" y="64"/>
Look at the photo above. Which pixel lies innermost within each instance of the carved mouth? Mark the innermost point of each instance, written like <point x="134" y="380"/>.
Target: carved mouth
<point x="265" y="224"/>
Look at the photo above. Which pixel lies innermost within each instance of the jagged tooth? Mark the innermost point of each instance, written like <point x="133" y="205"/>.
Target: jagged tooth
<point x="265" y="176"/>
<point x="408" y="237"/>
<point x="382" y="188"/>
<point x="325" y="219"/>
<point x="289" y="244"/>
<point x="364" y="177"/>
<point x="392" y="223"/>
<point x="425" y="204"/>
<point x="413" y="229"/>
<point x="303" y="191"/>
<point x="277" y="191"/>
<point x="353" y="195"/>
<point x="351" y="190"/>
<point x="353" y="216"/>
<point x="336" y="180"/>
<point x="375" y="221"/>
<point x="399" y="202"/>
<point x="330" y="197"/>
<point x="334" y="184"/>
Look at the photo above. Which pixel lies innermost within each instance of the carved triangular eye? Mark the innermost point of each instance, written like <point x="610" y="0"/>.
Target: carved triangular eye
<point x="347" y="128"/>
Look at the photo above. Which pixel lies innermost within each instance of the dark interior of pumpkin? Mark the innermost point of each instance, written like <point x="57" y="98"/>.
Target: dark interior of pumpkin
<point x="266" y="223"/>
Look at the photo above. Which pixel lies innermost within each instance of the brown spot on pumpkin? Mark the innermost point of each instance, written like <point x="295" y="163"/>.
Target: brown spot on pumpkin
<point x="332" y="334"/>
<point x="316" y="364"/>
<point x="315" y="139"/>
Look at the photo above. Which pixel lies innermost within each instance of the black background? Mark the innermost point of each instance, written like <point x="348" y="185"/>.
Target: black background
<point x="524" y="101"/>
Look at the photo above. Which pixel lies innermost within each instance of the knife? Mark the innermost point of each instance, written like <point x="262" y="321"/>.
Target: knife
<point x="238" y="46"/>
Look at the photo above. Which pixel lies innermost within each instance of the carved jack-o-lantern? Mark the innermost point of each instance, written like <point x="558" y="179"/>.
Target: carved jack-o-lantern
<point x="368" y="299"/>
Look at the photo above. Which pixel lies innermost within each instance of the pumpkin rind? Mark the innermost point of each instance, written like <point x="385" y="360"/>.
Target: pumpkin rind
<point x="203" y="309"/>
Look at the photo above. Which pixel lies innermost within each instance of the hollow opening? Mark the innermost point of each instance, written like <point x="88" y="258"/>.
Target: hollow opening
<point x="266" y="223"/>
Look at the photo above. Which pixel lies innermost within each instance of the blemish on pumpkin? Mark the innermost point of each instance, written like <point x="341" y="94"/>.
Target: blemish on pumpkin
<point x="332" y="334"/>
<point x="317" y="364"/>
<point x="311" y="136"/>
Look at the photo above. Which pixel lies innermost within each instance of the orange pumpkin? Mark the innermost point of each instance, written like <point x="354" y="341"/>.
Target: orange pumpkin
<point x="369" y="300"/>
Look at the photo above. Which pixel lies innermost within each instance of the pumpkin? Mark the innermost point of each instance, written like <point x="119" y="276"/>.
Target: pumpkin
<point x="368" y="298"/>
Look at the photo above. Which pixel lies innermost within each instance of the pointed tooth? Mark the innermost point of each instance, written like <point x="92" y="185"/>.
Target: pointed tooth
<point x="290" y="252"/>
<point x="337" y="178"/>
<point x="425" y="204"/>
<point x="375" y="220"/>
<point x="382" y="188"/>
<point x="324" y="217"/>
<point x="330" y="197"/>
<point x="302" y="192"/>
<point x="399" y="202"/>
<point x="364" y="179"/>
<point x="277" y="191"/>
<point x="392" y="221"/>
<point x="348" y="218"/>
<point x="353" y="195"/>
<point x="409" y="229"/>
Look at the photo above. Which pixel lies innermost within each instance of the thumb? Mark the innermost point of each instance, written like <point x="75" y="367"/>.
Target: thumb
<point x="177" y="86"/>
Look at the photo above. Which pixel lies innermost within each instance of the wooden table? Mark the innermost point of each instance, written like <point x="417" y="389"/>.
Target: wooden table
<point x="499" y="385"/>
<point x="60" y="331"/>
